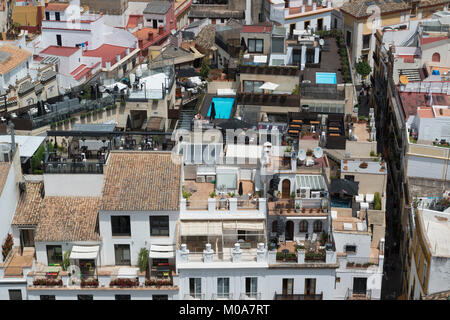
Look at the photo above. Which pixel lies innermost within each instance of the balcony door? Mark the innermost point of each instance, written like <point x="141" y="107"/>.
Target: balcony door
<point x="288" y="286"/>
<point x="359" y="285"/>
<point x="310" y="287"/>
<point x="286" y="189"/>
<point x="289" y="230"/>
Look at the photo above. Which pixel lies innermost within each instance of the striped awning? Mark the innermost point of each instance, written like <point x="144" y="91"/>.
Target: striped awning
<point x="243" y="225"/>
<point x="162" y="251"/>
<point x="201" y="228"/>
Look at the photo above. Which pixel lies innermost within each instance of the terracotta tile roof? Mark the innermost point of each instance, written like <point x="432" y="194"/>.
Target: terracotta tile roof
<point x="60" y="51"/>
<point x="108" y="53"/>
<point x="141" y="181"/>
<point x="431" y="39"/>
<point x="4" y="171"/>
<point x="28" y="209"/>
<point x="257" y="28"/>
<point x="54" y="6"/>
<point x="15" y="58"/>
<point x="358" y="8"/>
<point x="425" y="113"/>
<point x="68" y="219"/>
<point x="134" y="20"/>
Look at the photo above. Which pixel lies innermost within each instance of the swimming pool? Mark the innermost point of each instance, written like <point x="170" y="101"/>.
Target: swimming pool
<point x="339" y="203"/>
<point x="326" y="78"/>
<point x="223" y="107"/>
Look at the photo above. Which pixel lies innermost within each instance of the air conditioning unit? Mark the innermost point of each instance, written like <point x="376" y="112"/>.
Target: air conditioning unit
<point x="315" y="194"/>
<point x="210" y="178"/>
<point x="305" y="193"/>
<point x="200" y="179"/>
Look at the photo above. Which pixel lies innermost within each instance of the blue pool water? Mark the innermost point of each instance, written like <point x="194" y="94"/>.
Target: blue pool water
<point x="223" y="107"/>
<point x="337" y="203"/>
<point x="326" y="78"/>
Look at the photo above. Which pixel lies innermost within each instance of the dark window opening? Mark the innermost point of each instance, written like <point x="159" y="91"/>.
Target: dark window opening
<point x="159" y="226"/>
<point x="120" y="225"/>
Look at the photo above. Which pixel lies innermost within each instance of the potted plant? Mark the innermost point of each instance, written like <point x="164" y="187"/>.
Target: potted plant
<point x="288" y="152"/>
<point x="364" y="165"/>
<point x="212" y="194"/>
<point x="231" y="194"/>
<point x="309" y="152"/>
<point x="297" y="208"/>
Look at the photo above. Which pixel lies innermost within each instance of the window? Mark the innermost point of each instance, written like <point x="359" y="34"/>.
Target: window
<point x="350" y="249"/>
<point x="120" y="225"/>
<point x="306" y="25"/>
<point x="54" y="255"/>
<point x="58" y="40"/>
<point x="213" y="21"/>
<point x="123" y="297"/>
<point x="424" y="274"/>
<point x="155" y="24"/>
<point x="335" y="23"/>
<point x="253" y="86"/>
<point x="222" y="20"/>
<point x="366" y="41"/>
<point x="160" y="262"/>
<point x="160" y="297"/>
<point x="122" y="252"/>
<point x="303" y="226"/>
<point x="320" y="24"/>
<point x="310" y="286"/>
<point x="251" y="287"/>
<point x="57" y="16"/>
<point x="277" y="45"/>
<point x="223" y="288"/>
<point x="436" y="57"/>
<point x="47" y="297"/>
<point x="159" y="226"/>
<point x="288" y="286"/>
<point x="274" y="226"/>
<point x="255" y="45"/>
<point x="15" y="294"/>
<point x="47" y="15"/>
<point x="195" y="287"/>
<point x="317" y="226"/>
<point x="85" y="297"/>
<point x="348" y="38"/>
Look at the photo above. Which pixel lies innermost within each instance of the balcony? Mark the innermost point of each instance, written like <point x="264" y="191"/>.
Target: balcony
<point x="298" y="296"/>
<point x="222" y="296"/>
<point x="274" y="100"/>
<point x="358" y="295"/>
<point x="250" y="296"/>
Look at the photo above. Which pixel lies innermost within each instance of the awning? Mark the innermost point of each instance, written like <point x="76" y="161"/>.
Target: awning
<point x="129" y="273"/>
<point x="269" y="86"/>
<point x="162" y="251"/>
<point x="203" y="228"/>
<point x="244" y="225"/>
<point x="84" y="252"/>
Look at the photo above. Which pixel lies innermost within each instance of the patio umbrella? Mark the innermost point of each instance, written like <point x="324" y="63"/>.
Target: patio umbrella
<point x="241" y="191"/>
<point x="269" y="86"/>
<point x="213" y="111"/>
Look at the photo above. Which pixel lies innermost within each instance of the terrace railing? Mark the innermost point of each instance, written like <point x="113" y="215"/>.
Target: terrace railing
<point x="298" y="296"/>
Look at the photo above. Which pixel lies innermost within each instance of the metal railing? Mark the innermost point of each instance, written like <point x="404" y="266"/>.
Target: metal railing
<point x="222" y="296"/>
<point x="357" y="295"/>
<point x="73" y="167"/>
<point x="361" y="262"/>
<point x="194" y="296"/>
<point x="298" y="296"/>
<point x="250" y="296"/>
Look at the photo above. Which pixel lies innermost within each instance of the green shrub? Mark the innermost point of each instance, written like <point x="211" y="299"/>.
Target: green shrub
<point x="143" y="259"/>
<point x="377" y="201"/>
<point x="66" y="260"/>
<point x="372" y="153"/>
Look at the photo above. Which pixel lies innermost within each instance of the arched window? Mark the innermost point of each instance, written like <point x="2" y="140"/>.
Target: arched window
<point x="303" y="226"/>
<point x="436" y="57"/>
<point x="317" y="226"/>
<point x="274" y="226"/>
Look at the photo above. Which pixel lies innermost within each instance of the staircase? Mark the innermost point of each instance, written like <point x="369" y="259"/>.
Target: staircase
<point x="185" y="121"/>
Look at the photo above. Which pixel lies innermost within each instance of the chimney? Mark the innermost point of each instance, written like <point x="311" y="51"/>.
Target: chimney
<point x="118" y="57"/>
<point x="237" y="253"/>
<point x="208" y="254"/>
<point x="150" y="36"/>
<point x="160" y="29"/>
<point x="140" y="43"/>
<point x="128" y="51"/>
<point x="303" y="9"/>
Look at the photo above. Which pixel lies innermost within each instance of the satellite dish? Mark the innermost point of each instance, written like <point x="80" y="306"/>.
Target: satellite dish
<point x="318" y="152"/>
<point x="301" y="155"/>
<point x="321" y="42"/>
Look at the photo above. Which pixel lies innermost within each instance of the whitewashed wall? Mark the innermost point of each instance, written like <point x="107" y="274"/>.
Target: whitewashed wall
<point x="75" y="185"/>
